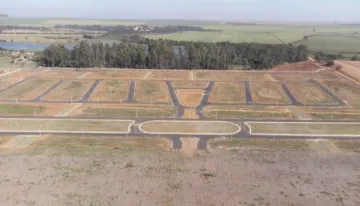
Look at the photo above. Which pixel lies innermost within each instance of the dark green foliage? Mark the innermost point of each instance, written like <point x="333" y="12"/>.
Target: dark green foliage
<point x="354" y="58"/>
<point x="330" y="63"/>
<point x="166" y="54"/>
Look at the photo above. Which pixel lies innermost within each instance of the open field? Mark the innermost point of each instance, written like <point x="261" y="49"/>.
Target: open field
<point x="69" y="90"/>
<point x="308" y="93"/>
<point x="118" y="74"/>
<point x="343" y="89"/>
<point x="69" y="170"/>
<point x="168" y="75"/>
<point x="191" y="127"/>
<point x="28" y="89"/>
<point x="228" y="92"/>
<point x="299" y="66"/>
<point x="43" y="125"/>
<point x="345" y="43"/>
<point x="268" y="93"/>
<point x="111" y="90"/>
<point x="190" y="84"/>
<point x="30" y="109"/>
<point x="288" y="128"/>
<point x="223" y="112"/>
<point x="190" y="97"/>
<point x="124" y="111"/>
<point x="12" y="78"/>
<point x="151" y="91"/>
<point x="61" y="74"/>
<point x="350" y="68"/>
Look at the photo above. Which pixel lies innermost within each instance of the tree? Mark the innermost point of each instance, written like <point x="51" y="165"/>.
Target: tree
<point x="354" y="58"/>
<point x="330" y="63"/>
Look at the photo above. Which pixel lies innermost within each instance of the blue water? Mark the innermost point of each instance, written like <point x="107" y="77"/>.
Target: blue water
<point x="17" y="46"/>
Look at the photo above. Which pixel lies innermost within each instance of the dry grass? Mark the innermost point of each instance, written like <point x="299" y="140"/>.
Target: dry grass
<point x="343" y="89"/>
<point x="230" y="76"/>
<point x="119" y="74"/>
<point x="260" y="144"/>
<point x="305" y="128"/>
<point x="151" y="91"/>
<point x="124" y="111"/>
<point x="70" y="90"/>
<point x="168" y="75"/>
<point x="28" y="109"/>
<point x="248" y="113"/>
<point x="28" y="90"/>
<point x="268" y="93"/>
<point x="350" y="68"/>
<point x="228" y="92"/>
<point x="308" y="93"/>
<point x="353" y="146"/>
<point x="190" y="84"/>
<point x="179" y="127"/>
<point x="111" y="90"/>
<point x="190" y="97"/>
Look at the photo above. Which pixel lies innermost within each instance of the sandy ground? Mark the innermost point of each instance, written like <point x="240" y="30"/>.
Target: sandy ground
<point x="350" y="68"/>
<point x="104" y="172"/>
<point x="190" y="97"/>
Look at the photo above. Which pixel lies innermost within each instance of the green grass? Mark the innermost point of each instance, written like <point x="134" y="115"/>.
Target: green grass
<point x="333" y="43"/>
<point x="15" y="109"/>
<point x="340" y="116"/>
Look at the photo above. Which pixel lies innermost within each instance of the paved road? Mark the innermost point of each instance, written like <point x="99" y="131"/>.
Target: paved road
<point x="86" y="97"/>
<point x="249" y="99"/>
<point x="175" y="100"/>
<point x="41" y="96"/>
<point x="328" y="92"/>
<point x="131" y="94"/>
<point x="13" y="85"/>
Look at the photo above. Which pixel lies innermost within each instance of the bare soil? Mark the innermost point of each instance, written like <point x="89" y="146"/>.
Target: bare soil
<point x="230" y="76"/>
<point x="350" y="68"/>
<point x="119" y="74"/>
<point x="133" y="171"/>
<point x="190" y="97"/>
<point x="299" y="66"/>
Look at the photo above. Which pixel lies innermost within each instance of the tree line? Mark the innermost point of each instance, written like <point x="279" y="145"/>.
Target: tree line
<point x="167" y="54"/>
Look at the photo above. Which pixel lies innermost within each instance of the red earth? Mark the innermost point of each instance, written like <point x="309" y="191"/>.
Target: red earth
<point x="307" y="66"/>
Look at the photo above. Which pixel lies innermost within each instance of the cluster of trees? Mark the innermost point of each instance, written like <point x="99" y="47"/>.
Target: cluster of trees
<point x="15" y="27"/>
<point x="166" y="54"/>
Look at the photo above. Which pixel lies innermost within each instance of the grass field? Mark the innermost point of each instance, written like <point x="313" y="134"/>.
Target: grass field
<point x="228" y="92"/>
<point x="118" y="74"/>
<point x="124" y="111"/>
<point x="268" y="93"/>
<point x="28" y="90"/>
<point x="151" y="91"/>
<point x="168" y="75"/>
<point x="184" y="127"/>
<point x="343" y="89"/>
<point x="230" y="76"/>
<point x="305" y="128"/>
<point x="111" y="90"/>
<point x="69" y="90"/>
<point x="64" y="125"/>
<point x="333" y="43"/>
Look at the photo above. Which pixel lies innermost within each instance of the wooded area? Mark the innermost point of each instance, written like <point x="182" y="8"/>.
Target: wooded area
<point x="166" y="54"/>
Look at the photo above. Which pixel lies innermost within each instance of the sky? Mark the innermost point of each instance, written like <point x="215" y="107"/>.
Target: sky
<point x="232" y="10"/>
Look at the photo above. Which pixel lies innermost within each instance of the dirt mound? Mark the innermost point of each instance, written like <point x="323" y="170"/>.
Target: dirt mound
<point x="306" y="66"/>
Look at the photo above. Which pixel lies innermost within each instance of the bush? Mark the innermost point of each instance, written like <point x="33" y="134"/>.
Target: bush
<point x="354" y="58"/>
<point x="330" y="63"/>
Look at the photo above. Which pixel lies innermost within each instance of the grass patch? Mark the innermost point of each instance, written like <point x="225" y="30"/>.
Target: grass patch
<point x="262" y="144"/>
<point x="268" y="93"/>
<point x="16" y="109"/>
<point x="151" y="91"/>
<point x="335" y="116"/>
<point x="111" y="90"/>
<point x="306" y="128"/>
<point x="129" y="112"/>
<point x="353" y="146"/>
<point x="198" y="127"/>
<point x="249" y="114"/>
<point x="63" y="125"/>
